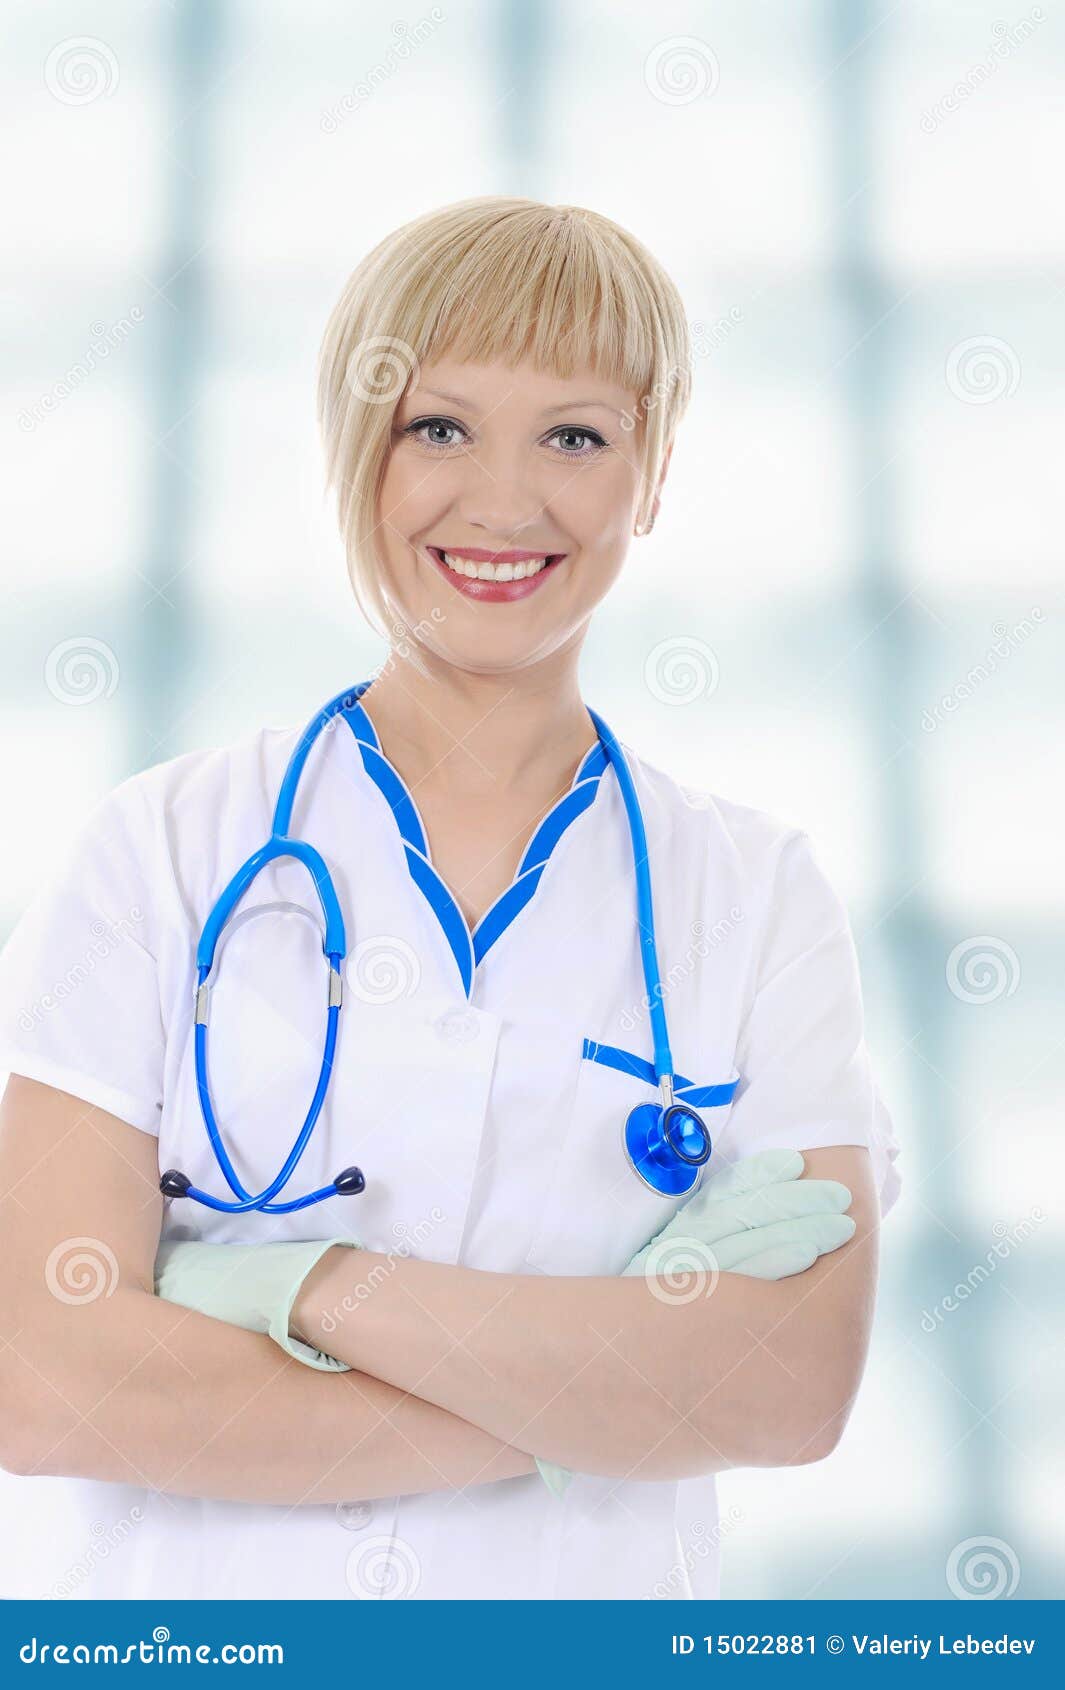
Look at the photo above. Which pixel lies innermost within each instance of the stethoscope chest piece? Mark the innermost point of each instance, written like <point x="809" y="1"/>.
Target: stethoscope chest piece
<point x="667" y="1147"/>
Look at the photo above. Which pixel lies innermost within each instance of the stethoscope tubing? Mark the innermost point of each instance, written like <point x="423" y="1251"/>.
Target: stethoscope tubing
<point x="280" y="844"/>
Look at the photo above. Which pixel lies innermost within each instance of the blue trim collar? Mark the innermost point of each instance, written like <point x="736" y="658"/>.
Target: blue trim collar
<point x="466" y="947"/>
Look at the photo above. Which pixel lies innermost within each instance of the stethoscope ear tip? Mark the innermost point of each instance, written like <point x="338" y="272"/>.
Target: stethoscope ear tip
<point x="174" y="1184"/>
<point x="349" y="1182"/>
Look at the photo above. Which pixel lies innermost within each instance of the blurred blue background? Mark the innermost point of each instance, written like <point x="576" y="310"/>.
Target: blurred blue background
<point x="847" y="614"/>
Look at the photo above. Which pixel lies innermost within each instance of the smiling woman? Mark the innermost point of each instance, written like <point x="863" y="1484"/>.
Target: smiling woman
<point x="550" y="1352"/>
<point x="438" y="317"/>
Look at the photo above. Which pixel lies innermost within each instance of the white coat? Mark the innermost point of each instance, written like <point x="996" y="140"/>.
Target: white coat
<point x="465" y="1086"/>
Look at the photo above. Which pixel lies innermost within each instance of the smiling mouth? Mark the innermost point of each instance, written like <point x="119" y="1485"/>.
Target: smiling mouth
<point x="474" y="564"/>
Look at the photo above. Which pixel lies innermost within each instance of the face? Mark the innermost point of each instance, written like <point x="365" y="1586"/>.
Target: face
<point x="506" y="509"/>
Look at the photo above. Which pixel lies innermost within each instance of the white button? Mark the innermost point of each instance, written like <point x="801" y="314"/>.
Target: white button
<point x="354" y="1516"/>
<point x="457" y="1026"/>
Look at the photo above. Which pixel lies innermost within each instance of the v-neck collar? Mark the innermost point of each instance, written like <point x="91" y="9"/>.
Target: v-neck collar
<point x="468" y="948"/>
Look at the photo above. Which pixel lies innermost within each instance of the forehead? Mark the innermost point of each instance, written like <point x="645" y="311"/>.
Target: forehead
<point x="493" y="386"/>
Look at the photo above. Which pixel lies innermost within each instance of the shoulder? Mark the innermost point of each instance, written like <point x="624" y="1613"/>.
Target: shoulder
<point x="765" y="864"/>
<point x="200" y="779"/>
<point x="747" y="837"/>
<point x="175" y="824"/>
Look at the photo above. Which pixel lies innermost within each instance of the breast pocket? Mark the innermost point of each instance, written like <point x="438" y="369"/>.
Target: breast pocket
<point x="598" y="1211"/>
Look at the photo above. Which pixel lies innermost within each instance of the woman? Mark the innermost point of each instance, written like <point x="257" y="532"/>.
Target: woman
<point x="500" y="386"/>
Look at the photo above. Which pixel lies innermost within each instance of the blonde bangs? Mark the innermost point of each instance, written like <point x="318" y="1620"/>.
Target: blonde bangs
<point x="492" y="280"/>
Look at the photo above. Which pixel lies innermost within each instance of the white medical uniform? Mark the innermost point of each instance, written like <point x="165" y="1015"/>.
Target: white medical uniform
<point x="472" y="1085"/>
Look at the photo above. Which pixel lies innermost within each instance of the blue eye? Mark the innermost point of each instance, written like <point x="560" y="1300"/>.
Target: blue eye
<point x="441" y="433"/>
<point x="588" y="441"/>
<point x="422" y="431"/>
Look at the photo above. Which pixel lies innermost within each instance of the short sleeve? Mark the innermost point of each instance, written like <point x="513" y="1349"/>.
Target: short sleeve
<point x="806" y="1079"/>
<point x="80" y="1005"/>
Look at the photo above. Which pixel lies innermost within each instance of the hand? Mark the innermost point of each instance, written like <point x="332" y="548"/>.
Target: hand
<point x="249" y="1285"/>
<point x="757" y="1218"/>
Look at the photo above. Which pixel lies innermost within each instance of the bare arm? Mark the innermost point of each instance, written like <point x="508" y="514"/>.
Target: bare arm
<point x="102" y="1379"/>
<point x="611" y="1376"/>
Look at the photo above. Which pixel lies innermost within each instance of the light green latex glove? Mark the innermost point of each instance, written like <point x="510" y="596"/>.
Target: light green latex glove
<point x="757" y="1218"/>
<point x="249" y="1285"/>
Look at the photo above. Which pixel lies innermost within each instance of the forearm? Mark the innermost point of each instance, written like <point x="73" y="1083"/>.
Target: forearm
<point x="151" y="1393"/>
<point x="601" y="1375"/>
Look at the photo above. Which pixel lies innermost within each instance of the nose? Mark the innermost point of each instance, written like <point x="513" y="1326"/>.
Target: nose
<point x="501" y="497"/>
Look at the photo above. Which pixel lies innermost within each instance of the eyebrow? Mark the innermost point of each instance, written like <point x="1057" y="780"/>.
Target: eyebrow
<point x="548" y="410"/>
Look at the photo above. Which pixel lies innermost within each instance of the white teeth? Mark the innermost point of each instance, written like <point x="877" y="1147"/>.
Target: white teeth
<point x="494" y="571"/>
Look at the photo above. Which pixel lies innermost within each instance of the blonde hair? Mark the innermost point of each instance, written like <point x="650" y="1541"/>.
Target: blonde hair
<point x="492" y="280"/>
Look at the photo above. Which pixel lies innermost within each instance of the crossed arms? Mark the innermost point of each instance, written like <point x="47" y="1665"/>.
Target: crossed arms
<point x="459" y="1377"/>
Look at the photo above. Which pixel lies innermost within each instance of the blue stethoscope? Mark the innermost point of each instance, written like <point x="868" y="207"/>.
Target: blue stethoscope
<point x="666" y="1142"/>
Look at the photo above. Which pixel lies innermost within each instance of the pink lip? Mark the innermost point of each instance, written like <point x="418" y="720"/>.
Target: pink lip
<point x="493" y="592"/>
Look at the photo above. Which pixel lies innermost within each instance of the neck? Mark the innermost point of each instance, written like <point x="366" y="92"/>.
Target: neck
<point x="496" y="732"/>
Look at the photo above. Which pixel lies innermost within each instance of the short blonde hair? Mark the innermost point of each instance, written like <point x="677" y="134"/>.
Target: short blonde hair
<point x="491" y="280"/>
